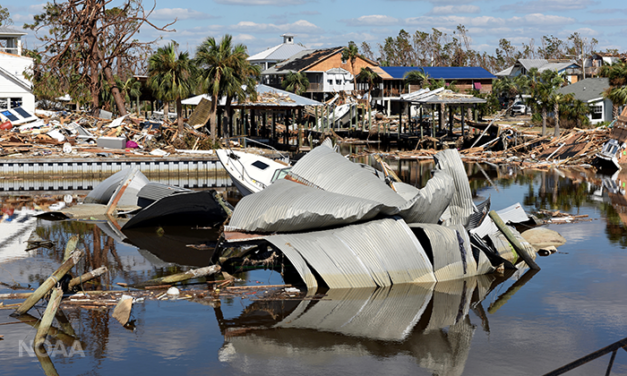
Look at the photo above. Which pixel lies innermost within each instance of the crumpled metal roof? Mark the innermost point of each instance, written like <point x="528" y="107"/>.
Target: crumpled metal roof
<point x="359" y="255"/>
<point x="450" y="251"/>
<point x="286" y="206"/>
<point x="510" y="214"/>
<point x="350" y="179"/>
<point x="462" y="205"/>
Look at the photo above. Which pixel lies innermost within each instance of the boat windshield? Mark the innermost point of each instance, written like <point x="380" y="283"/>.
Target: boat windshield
<point x="280" y="174"/>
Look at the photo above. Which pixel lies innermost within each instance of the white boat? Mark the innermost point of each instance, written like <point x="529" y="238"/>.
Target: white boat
<point x="251" y="173"/>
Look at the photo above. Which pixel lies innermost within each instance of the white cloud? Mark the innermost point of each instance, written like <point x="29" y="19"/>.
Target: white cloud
<point x="452" y="9"/>
<point x="373" y="20"/>
<point x="300" y="26"/>
<point x="260" y="2"/>
<point x="491" y="22"/>
<point x="548" y="5"/>
<point x="180" y="14"/>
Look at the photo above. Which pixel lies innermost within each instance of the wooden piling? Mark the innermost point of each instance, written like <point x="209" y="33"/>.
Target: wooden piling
<point x="50" y="282"/>
<point x="87" y="276"/>
<point x="513" y="241"/>
<point x="70" y="247"/>
<point x="46" y="320"/>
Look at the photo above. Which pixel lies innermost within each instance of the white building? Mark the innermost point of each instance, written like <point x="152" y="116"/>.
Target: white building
<point x="271" y="56"/>
<point x="15" y="89"/>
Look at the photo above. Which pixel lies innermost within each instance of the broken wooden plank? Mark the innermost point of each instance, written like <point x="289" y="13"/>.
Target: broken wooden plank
<point x="46" y="320"/>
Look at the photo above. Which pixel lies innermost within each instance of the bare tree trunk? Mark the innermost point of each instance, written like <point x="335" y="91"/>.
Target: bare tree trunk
<point x="117" y="96"/>
<point x="556" y="109"/>
<point x="179" y="115"/>
<point x="543" y="119"/>
<point x="212" y="117"/>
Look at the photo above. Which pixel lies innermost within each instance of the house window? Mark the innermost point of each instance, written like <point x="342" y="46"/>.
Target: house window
<point x="596" y="112"/>
<point x="338" y="82"/>
<point x="16" y="102"/>
<point x="330" y="82"/>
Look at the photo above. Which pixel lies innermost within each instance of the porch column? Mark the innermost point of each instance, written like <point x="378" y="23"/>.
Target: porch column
<point x="463" y="112"/>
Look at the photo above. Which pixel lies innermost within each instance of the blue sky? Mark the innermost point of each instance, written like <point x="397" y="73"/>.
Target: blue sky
<point x="326" y="23"/>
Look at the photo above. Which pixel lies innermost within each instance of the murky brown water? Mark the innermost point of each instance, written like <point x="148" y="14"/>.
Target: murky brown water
<point x="529" y="323"/>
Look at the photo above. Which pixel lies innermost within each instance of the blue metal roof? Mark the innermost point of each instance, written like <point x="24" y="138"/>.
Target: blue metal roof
<point x="447" y="73"/>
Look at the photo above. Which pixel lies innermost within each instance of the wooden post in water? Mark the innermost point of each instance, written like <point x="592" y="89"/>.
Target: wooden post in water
<point x="46" y="320"/>
<point x="87" y="277"/>
<point x="50" y="282"/>
<point x="513" y="241"/>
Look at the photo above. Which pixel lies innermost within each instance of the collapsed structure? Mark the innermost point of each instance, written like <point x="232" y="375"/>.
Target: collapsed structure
<point x="353" y="227"/>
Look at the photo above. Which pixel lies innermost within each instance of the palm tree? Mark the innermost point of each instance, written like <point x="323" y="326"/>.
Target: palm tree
<point x="242" y="86"/>
<point x="506" y="87"/>
<point x="351" y="53"/>
<point x="296" y="82"/>
<point x="617" y="75"/>
<point x="543" y="88"/>
<point x="416" y="77"/>
<point x="220" y="64"/>
<point x="131" y="88"/>
<point x="171" y="78"/>
<point x="370" y="77"/>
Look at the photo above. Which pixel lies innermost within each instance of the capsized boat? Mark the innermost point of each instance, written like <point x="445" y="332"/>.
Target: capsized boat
<point x="249" y="172"/>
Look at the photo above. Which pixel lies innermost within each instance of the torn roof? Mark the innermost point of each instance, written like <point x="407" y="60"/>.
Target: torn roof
<point x="267" y="96"/>
<point x="437" y="73"/>
<point x="302" y="60"/>
<point x="440" y="95"/>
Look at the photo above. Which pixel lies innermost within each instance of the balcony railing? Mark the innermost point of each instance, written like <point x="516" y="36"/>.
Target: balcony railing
<point x="314" y="87"/>
<point x="10" y="50"/>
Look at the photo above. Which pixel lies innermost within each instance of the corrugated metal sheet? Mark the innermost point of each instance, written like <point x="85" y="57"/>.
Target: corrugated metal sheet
<point x="157" y="191"/>
<point x="462" y="206"/>
<point x="361" y="255"/>
<point x="387" y="314"/>
<point x="324" y="168"/>
<point x="430" y="202"/>
<point x="286" y="206"/>
<point x="510" y="214"/>
<point x="348" y="178"/>
<point x="297" y="261"/>
<point x="451" y="251"/>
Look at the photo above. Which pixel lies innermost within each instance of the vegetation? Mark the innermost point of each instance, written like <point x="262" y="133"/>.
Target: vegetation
<point x="416" y="77"/>
<point x="350" y="54"/>
<point x="617" y="92"/>
<point x="440" y="49"/>
<point x="296" y="82"/>
<point x="87" y="43"/>
<point x="5" y="17"/>
<point x="223" y="67"/>
<point x="172" y="78"/>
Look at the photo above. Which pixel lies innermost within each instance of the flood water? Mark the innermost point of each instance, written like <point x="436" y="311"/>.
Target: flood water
<point x="529" y="323"/>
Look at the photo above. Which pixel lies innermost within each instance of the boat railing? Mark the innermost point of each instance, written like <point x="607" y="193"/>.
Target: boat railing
<point x="284" y="156"/>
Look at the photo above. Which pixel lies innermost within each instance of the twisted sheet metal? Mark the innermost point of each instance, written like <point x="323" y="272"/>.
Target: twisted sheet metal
<point x="429" y="203"/>
<point x="361" y="255"/>
<point x="286" y="206"/>
<point x="328" y="170"/>
<point x="452" y="254"/>
<point x="325" y="169"/>
<point x="511" y="214"/>
<point x="157" y="191"/>
<point x="462" y="206"/>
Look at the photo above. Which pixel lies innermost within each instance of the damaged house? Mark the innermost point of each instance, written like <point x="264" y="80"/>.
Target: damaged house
<point x="335" y="224"/>
<point x="15" y="90"/>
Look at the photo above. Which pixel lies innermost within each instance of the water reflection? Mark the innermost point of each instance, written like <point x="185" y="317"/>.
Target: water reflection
<point x="431" y="323"/>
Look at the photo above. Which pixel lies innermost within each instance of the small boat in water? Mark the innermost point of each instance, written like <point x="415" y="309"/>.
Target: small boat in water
<point x="251" y="173"/>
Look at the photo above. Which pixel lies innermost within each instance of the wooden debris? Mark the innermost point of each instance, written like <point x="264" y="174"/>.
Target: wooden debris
<point x="87" y="277"/>
<point x="50" y="282"/>
<point x="122" y="311"/>
<point x="46" y="320"/>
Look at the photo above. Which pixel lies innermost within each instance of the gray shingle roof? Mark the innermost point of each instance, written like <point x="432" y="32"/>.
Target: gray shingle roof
<point x="586" y="90"/>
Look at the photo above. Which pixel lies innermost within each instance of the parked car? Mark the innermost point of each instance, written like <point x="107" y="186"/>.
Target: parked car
<point x="519" y="108"/>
